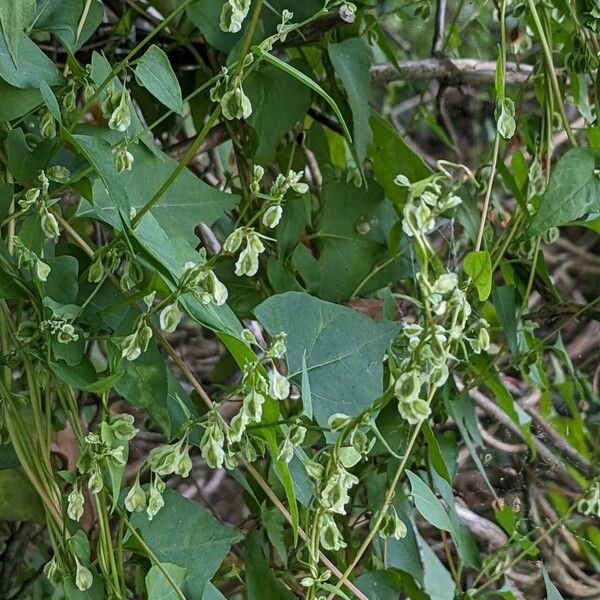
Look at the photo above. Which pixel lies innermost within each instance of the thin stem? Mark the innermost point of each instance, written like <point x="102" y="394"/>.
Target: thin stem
<point x="551" y="72"/>
<point x="386" y="503"/>
<point x="151" y="555"/>
<point x="488" y="193"/>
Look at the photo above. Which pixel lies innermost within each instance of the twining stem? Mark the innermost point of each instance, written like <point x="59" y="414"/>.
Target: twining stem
<point x="551" y="72"/>
<point x="209" y="403"/>
<point x="488" y="192"/>
<point x="389" y="497"/>
<point x="151" y="555"/>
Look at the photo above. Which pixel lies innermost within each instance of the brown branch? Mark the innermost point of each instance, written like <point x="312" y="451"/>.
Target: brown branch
<point x="215" y="137"/>
<point x="549" y="312"/>
<point x="452" y="71"/>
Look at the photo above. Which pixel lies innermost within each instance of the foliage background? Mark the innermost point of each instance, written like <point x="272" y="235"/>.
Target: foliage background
<point x="494" y="482"/>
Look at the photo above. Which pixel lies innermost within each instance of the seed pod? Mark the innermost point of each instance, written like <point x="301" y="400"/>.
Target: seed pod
<point x="58" y="174"/>
<point x="135" y="501"/>
<point x="120" y="119"/>
<point x="279" y="387"/>
<point x="83" y="577"/>
<point x="122" y="426"/>
<point x="47" y="125"/>
<point x="272" y="216"/>
<point x="49" y="224"/>
<point x="234" y="241"/>
<point x="170" y="317"/>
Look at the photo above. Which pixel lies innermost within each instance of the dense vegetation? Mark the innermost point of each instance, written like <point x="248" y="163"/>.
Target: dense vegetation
<point x="299" y="299"/>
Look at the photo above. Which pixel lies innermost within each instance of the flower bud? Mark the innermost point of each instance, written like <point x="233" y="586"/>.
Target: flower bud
<point x="52" y="572"/>
<point x="277" y="348"/>
<point x="237" y="427"/>
<point x="184" y="463"/>
<point x="215" y="290"/>
<point x="338" y="421"/>
<point x="286" y="451"/>
<point x="314" y="469"/>
<point x="255" y="243"/>
<point x="408" y="385"/>
<point x="122" y="426"/>
<point x="135" y="501"/>
<point x="506" y="123"/>
<point x="96" y="269"/>
<point x="272" y="216"/>
<point x="249" y="337"/>
<point x="211" y="445"/>
<point x="137" y="342"/>
<point x="49" y="224"/>
<point x="170" y="317"/>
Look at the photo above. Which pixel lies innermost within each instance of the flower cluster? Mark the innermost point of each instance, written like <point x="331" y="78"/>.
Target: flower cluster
<point x="425" y="348"/>
<point x="38" y="196"/>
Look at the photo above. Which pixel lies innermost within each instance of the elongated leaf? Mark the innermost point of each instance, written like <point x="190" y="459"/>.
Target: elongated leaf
<point x="313" y="85"/>
<point x="572" y="192"/>
<point x="14" y="17"/>
<point x="351" y="62"/>
<point x="427" y="503"/>
<point x="344" y="350"/>
<point x="154" y="72"/>
<point x="33" y="65"/>
<point x="63" y="19"/>
<point x="552" y="592"/>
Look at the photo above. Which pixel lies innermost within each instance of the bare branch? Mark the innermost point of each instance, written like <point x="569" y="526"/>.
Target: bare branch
<point x="453" y="71"/>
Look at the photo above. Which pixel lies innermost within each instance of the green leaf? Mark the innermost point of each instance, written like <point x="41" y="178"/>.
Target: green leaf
<point x="279" y="102"/>
<point x="572" y="192"/>
<point x="391" y="156"/>
<point x="354" y="258"/>
<point x="17" y="102"/>
<point x="344" y="350"/>
<point x="380" y="585"/>
<point x="478" y="266"/>
<point x="159" y="587"/>
<point x="205" y="15"/>
<point x="552" y="592"/>
<point x="61" y="284"/>
<point x="98" y="153"/>
<point x="18" y="499"/>
<point x="274" y="524"/>
<point x="63" y="20"/>
<point x="313" y="85"/>
<point x="51" y="101"/>
<point x="153" y="70"/>
<point x="14" y="17"/>
<point x="437" y="582"/>
<point x="185" y="534"/>
<point x="260" y="581"/>
<point x="351" y="62"/>
<point x="33" y="67"/>
<point x="427" y="503"/>
<point x="144" y="383"/>
<point x="504" y="302"/>
<point x="187" y="203"/>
